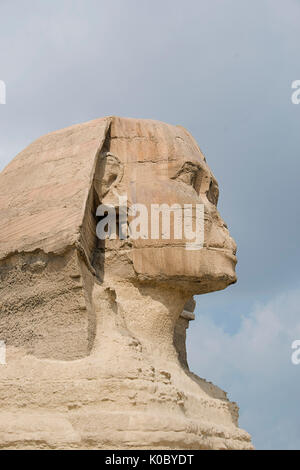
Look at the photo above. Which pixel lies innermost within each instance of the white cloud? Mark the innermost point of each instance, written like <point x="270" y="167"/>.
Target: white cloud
<point x="254" y="366"/>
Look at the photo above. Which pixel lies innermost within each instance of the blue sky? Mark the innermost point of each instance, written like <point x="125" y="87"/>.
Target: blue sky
<point x="223" y="69"/>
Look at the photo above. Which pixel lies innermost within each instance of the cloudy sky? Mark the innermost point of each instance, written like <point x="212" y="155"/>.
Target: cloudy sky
<point x="223" y="69"/>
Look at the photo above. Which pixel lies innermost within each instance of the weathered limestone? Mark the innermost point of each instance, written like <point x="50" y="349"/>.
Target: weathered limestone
<point x="95" y="330"/>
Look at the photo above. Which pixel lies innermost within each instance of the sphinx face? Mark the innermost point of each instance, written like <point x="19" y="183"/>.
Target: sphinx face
<point x="174" y="195"/>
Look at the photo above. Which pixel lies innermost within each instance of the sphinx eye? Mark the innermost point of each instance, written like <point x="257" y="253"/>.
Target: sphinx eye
<point x="188" y="174"/>
<point x="213" y="193"/>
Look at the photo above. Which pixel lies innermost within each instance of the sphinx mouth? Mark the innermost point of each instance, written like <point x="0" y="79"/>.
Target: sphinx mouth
<point x="225" y="251"/>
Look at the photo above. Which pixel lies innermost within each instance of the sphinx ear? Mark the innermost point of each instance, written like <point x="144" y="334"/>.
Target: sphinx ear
<point x="108" y="174"/>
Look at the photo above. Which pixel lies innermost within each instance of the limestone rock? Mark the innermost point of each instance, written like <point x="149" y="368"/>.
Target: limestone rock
<point x="95" y="329"/>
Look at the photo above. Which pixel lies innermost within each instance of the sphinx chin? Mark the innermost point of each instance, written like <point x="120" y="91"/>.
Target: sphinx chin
<point x="199" y="271"/>
<point x="218" y="275"/>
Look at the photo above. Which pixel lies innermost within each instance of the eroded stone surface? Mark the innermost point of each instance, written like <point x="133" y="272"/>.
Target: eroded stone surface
<point x="95" y="330"/>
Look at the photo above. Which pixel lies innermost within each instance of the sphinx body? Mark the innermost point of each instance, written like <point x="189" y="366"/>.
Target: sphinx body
<point x="95" y="329"/>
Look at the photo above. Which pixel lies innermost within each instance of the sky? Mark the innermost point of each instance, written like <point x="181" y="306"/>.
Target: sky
<point x="223" y="69"/>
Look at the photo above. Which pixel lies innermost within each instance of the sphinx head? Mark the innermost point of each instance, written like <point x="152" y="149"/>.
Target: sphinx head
<point x="165" y="196"/>
<point x="50" y="193"/>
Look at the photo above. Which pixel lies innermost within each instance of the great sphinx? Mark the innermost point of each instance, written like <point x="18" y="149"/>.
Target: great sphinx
<point x="94" y="328"/>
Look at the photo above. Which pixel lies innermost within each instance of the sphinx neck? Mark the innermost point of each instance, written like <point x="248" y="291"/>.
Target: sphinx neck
<point x="148" y="314"/>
